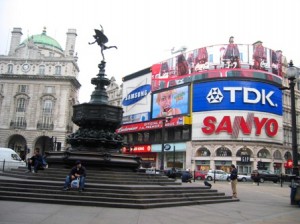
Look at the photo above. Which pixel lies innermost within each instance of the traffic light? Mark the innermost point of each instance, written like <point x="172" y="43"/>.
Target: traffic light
<point x="258" y="164"/>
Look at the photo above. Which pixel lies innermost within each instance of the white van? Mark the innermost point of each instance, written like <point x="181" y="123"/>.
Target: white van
<point x="10" y="159"/>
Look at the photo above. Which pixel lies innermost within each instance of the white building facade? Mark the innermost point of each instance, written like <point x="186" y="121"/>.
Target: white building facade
<point x="38" y="89"/>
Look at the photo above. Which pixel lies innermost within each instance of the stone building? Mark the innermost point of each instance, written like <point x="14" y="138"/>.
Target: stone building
<point x="114" y="92"/>
<point x="38" y="89"/>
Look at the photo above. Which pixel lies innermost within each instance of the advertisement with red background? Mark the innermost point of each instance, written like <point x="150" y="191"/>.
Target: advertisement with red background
<point x="202" y="61"/>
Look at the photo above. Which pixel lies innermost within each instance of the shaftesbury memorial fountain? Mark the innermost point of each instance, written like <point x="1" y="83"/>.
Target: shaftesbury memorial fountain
<point x="96" y="143"/>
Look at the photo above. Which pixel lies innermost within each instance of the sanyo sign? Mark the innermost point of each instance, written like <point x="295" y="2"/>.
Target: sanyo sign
<point x="237" y="125"/>
<point x="237" y="95"/>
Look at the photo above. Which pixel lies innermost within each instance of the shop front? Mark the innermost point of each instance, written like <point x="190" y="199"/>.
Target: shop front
<point x="223" y="165"/>
<point x="277" y="168"/>
<point x="143" y="151"/>
<point x="202" y="165"/>
<point x="174" y="155"/>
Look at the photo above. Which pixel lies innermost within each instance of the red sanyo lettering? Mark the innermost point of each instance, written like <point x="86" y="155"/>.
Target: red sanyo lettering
<point x="270" y="126"/>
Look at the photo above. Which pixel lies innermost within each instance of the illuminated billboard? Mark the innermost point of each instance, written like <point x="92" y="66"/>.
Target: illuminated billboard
<point x="237" y="95"/>
<point x="136" y="99"/>
<point x="237" y="110"/>
<point x="170" y="102"/>
<point x="237" y="125"/>
<point x="227" y="60"/>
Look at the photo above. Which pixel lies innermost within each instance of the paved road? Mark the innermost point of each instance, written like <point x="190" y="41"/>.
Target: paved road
<point x="266" y="203"/>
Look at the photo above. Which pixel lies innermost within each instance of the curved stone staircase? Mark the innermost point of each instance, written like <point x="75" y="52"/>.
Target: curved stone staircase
<point x="106" y="188"/>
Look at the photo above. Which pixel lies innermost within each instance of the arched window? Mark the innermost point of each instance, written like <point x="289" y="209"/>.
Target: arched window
<point x="277" y="154"/>
<point x="223" y="151"/>
<point x="287" y="155"/>
<point x="243" y="152"/>
<point x="263" y="153"/>
<point x="203" y="151"/>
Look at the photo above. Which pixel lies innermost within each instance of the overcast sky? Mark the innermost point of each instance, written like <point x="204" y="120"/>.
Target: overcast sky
<point x="145" y="30"/>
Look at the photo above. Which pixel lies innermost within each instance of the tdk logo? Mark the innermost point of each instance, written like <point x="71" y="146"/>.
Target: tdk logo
<point x="214" y="96"/>
<point x="249" y="95"/>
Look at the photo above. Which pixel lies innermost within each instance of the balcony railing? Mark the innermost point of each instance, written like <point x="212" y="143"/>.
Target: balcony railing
<point x="17" y="125"/>
<point x="45" y="126"/>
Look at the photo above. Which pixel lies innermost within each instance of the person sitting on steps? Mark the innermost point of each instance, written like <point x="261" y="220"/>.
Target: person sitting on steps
<point x="78" y="171"/>
<point x="36" y="161"/>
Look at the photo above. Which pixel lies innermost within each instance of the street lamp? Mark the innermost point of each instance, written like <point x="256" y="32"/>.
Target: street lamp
<point x="162" y="145"/>
<point x="292" y="73"/>
<point x="162" y="161"/>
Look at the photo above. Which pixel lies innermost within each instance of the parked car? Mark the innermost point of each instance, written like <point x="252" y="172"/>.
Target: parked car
<point x="152" y="171"/>
<point x="218" y="174"/>
<point x="200" y="175"/>
<point x="9" y="159"/>
<point x="244" y="178"/>
<point x="171" y="174"/>
<point x="264" y="175"/>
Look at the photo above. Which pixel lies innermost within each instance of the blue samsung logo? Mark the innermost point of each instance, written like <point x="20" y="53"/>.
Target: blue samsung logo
<point x="136" y="95"/>
<point x="237" y="95"/>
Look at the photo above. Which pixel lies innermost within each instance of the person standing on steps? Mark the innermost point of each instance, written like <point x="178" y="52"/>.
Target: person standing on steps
<point x="78" y="171"/>
<point x="233" y="177"/>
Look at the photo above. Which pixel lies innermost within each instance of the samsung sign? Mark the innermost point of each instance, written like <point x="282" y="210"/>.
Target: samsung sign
<point x="136" y="95"/>
<point x="237" y="95"/>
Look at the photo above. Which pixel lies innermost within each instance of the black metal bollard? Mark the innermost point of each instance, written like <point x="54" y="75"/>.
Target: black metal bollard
<point x="3" y="165"/>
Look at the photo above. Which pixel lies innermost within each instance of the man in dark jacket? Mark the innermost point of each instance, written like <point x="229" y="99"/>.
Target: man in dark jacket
<point x="36" y="161"/>
<point x="233" y="177"/>
<point x="78" y="171"/>
<point x="186" y="176"/>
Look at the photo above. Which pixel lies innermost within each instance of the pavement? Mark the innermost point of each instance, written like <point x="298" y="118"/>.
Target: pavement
<point x="266" y="203"/>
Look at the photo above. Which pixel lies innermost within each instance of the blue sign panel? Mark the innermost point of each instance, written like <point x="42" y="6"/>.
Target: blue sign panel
<point x="237" y="95"/>
<point x="136" y="95"/>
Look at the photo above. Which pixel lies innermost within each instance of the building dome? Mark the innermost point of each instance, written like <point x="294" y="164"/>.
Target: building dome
<point x="43" y="39"/>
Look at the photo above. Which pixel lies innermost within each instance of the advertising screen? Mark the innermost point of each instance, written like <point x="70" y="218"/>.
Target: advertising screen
<point x="171" y="102"/>
<point x="237" y="95"/>
<point x="215" y="61"/>
<point x="136" y="100"/>
<point x="237" y="125"/>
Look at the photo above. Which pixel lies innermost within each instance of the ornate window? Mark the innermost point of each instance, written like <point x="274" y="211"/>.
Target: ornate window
<point x="277" y="155"/>
<point x="46" y="121"/>
<point x="223" y="151"/>
<point x="22" y="88"/>
<point x="57" y="70"/>
<point x="203" y="151"/>
<point x="10" y="68"/>
<point x="21" y="105"/>
<point x="243" y="152"/>
<point x="42" y="70"/>
<point x="263" y="153"/>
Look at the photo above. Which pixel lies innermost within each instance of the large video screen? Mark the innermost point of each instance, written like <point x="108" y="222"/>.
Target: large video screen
<point x="219" y="61"/>
<point x="170" y="102"/>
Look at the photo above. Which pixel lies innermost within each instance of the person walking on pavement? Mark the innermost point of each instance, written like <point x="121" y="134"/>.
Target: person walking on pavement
<point x="78" y="171"/>
<point x="233" y="177"/>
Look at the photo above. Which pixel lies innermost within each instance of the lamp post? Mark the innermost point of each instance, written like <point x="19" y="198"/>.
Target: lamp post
<point x="291" y="75"/>
<point x="162" y="161"/>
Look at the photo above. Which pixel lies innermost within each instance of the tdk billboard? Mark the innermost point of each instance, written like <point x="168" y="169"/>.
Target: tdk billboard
<point x="237" y="95"/>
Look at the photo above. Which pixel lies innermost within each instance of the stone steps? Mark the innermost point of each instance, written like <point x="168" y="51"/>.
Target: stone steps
<point x="104" y="177"/>
<point x="36" y="188"/>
